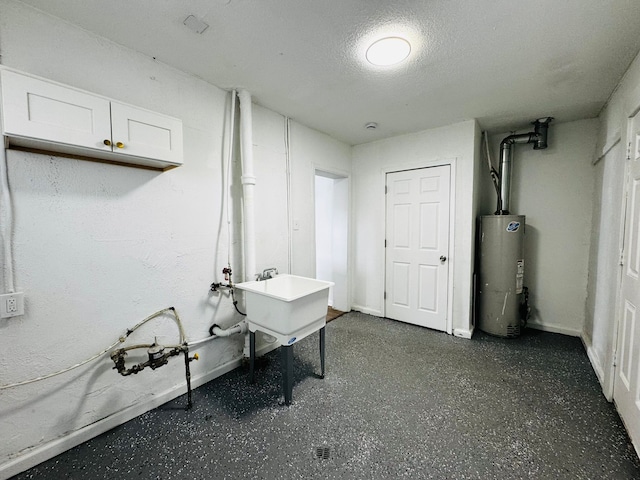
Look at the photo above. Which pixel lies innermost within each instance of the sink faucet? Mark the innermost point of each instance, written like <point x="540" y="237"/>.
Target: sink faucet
<point x="268" y="273"/>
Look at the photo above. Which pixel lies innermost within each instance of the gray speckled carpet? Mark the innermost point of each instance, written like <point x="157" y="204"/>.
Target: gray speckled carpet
<point x="397" y="401"/>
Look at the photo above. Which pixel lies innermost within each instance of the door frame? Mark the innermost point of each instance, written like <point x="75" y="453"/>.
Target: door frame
<point x="609" y="365"/>
<point x="615" y="366"/>
<point x="451" y="162"/>
<point x="315" y="167"/>
<point x="609" y="387"/>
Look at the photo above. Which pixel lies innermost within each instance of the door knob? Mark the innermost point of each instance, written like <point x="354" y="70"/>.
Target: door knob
<point x="443" y="258"/>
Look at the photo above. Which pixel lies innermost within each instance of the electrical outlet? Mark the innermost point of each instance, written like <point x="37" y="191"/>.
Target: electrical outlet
<point x="11" y="305"/>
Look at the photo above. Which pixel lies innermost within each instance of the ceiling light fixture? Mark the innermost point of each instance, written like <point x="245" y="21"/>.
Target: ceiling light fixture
<point x="388" y="51"/>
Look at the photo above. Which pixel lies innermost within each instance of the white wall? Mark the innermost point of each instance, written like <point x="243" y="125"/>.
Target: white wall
<point x="272" y="232"/>
<point x="311" y="150"/>
<point x="553" y="188"/>
<point x="602" y="308"/>
<point x="98" y="247"/>
<point x="370" y="161"/>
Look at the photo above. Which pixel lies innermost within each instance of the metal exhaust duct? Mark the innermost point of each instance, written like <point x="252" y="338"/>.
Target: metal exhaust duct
<point x="501" y="310"/>
<point x="538" y="137"/>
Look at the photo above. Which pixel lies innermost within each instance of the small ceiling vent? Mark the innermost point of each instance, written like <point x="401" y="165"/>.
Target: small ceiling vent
<point x="195" y="24"/>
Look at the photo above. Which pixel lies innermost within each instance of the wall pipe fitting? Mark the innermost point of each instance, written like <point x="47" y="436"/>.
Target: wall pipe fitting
<point x="217" y="331"/>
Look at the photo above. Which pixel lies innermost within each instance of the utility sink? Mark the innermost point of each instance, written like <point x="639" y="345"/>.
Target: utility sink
<point x="287" y="307"/>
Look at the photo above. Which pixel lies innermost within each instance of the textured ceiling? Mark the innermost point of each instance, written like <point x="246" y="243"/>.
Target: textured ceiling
<point x="504" y="62"/>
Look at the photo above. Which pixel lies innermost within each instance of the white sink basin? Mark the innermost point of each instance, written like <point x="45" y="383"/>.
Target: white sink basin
<point x="287" y="307"/>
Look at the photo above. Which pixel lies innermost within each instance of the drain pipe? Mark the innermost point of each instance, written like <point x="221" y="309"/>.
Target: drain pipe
<point x="248" y="184"/>
<point x="538" y="137"/>
<point x="218" y="331"/>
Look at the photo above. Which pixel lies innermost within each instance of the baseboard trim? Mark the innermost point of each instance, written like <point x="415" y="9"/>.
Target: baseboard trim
<point x="599" y="368"/>
<point x="554" y="329"/>
<point x="44" y="452"/>
<point x="463" y="332"/>
<point x="368" y="311"/>
<point x="596" y="364"/>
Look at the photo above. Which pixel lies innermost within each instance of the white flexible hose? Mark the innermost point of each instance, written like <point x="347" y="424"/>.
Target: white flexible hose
<point x="44" y="377"/>
<point x="120" y="340"/>
<point x="157" y="314"/>
<point x="6" y="225"/>
<point x="232" y="122"/>
<point x="200" y="342"/>
<point x="487" y="153"/>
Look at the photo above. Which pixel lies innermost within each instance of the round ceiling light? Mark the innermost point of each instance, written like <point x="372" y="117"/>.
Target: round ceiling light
<point x="388" y="51"/>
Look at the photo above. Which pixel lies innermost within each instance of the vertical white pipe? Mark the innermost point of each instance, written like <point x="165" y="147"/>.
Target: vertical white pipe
<point x="6" y="225"/>
<point x="248" y="184"/>
<point x="287" y="150"/>
<point x="232" y="129"/>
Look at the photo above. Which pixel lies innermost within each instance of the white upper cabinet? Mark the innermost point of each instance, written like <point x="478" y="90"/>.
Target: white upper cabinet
<point x="145" y="134"/>
<point x="33" y="108"/>
<point x="38" y="114"/>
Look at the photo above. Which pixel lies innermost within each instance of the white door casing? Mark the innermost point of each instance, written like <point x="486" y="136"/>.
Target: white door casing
<point x="417" y="246"/>
<point x="626" y="392"/>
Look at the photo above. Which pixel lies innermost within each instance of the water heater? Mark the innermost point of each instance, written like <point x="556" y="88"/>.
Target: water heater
<point x="501" y="274"/>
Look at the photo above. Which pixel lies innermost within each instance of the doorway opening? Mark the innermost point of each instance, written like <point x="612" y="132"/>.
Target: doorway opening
<point x="332" y="234"/>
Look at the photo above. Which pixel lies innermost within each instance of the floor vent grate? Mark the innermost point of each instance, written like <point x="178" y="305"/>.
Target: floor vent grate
<point x="513" y="331"/>
<point x="323" y="452"/>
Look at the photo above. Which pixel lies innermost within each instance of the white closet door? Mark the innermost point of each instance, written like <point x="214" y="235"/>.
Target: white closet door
<point x="626" y="393"/>
<point x="417" y="239"/>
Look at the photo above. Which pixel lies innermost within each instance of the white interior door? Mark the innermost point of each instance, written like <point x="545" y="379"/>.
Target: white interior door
<point x="417" y="246"/>
<point x="626" y="393"/>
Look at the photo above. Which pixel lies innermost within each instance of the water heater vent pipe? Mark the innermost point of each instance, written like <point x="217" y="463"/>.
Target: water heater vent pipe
<point x="539" y="139"/>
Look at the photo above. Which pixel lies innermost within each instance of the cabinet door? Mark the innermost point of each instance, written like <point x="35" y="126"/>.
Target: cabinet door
<point x="40" y="110"/>
<point x="142" y="133"/>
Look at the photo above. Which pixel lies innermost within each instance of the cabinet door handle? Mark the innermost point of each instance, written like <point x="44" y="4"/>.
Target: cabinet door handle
<point x="119" y="144"/>
<point x="107" y="142"/>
